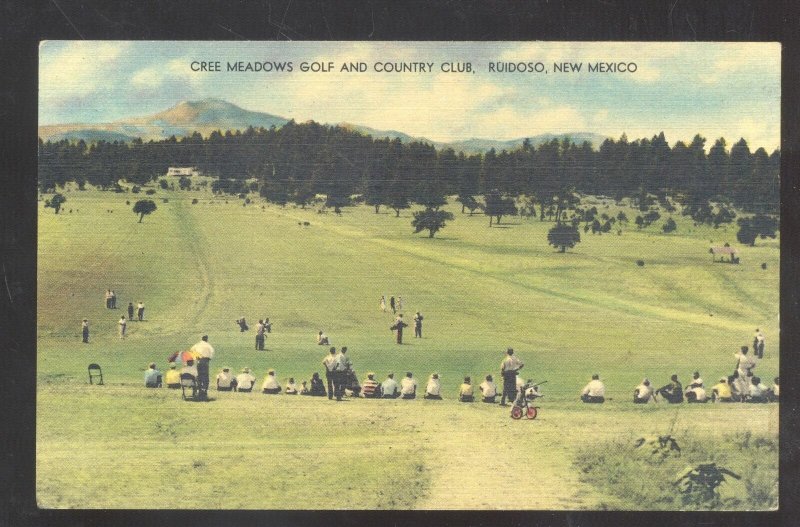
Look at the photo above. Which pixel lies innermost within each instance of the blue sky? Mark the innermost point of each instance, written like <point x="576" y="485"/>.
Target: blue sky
<point x="715" y="89"/>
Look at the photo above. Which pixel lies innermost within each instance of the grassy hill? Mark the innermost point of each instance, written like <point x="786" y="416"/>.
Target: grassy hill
<point x="198" y="267"/>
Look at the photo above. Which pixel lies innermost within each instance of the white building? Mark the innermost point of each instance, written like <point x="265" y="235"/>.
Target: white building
<point x="182" y="171"/>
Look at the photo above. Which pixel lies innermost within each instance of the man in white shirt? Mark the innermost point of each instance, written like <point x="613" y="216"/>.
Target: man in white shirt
<point x="260" y="335"/>
<point x="245" y="381"/>
<point x="594" y="392"/>
<point x="757" y="392"/>
<point x="509" y="369"/>
<point x="225" y="380"/>
<point x="389" y="388"/>
<point x="330" y="362"/>
<point x="342" y="367"/>
<point x="205" y="352"/>
<point x="190" y="368"/>
<point x="434" y="388"/>
<point x="488" y="390"/>
<point x="291" y="387"/>
<point x="271" y="385"/>
<point x="408" y="387"/>
<point x="746" y="362"/>
<point x="643" y="393"/>
<point x="696" y="394"/>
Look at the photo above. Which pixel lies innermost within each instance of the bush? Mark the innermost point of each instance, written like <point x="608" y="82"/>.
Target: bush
<point x="764" y="265"/>
<point x="136" y="189"/>
<point x="194" y="201"/>
<point x="640" y="263"/>
<point x="163" y="184"/>
<point x="127" y="202"/>
<point x="165" y="200"/>
<point x="150" y="192"/>
<point x="669" y="226"/>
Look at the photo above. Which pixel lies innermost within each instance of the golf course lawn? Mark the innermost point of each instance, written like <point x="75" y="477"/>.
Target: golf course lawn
<point x="198" y="267"/>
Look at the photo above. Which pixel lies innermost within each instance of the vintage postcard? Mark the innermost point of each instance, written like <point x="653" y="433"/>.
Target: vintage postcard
<point x="408" y="275"/>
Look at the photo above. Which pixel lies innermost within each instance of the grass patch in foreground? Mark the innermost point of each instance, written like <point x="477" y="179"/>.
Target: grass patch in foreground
<point x="644" y="477"/>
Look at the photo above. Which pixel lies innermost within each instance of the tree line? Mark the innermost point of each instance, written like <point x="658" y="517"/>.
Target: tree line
<point x="297" y="162"/>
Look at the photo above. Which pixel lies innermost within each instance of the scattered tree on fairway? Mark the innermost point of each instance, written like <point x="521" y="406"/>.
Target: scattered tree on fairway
<point x="55" y="202"/>
<point x="498" y="206"/>
<point x="563" y="236"/>
<point x="669" y="225"/>
<point x="759" y="225"/>
<point x="143" y="207"/>
<point x="430" y="219"/>
<point x="184" y="183"/>
<point x="468" y="202"/>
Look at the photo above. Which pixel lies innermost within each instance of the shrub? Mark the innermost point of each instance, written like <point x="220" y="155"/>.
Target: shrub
<point x="150" y="191"/>
<point x="669" y="226"/>
<point x="194" y="201"/>
<point x="136" y="189"/>
<point x="640" y="263"/>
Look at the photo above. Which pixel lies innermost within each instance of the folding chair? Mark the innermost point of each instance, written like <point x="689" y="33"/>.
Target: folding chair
<point x="95" y="372"/>
<point x="188" y="382"/>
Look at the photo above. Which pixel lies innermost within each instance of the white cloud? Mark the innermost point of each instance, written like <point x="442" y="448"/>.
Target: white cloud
<point x="79" y="69"/>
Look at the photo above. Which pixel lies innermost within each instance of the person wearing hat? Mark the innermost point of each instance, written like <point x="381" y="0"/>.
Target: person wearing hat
<point x="85" y="330"/>
<point x="226" y="382"/>
<point x="465" y="391"/>
<point x="643" y="393"/>
<point x="317" y="387"/>
<point x="330" y="370"/>
<point x="672" y="392"/>
<point x="370" y="389"/>
<point x="152" y="377"/>
<point x="291" y="387"/>
<point x="204" y="353"/>
<point x="488" y="390"/>
<point x="408" y="386"/>
<point x="172" y="378"/>
<point x="721" y="392"/>
<point x="595" y="391"/>
<point x="434" y="388"/>
<point x="389" y="389"/>
<point x="270" y="385"/>
<point x="509" y="369"/>
<point x="245" y="381"/>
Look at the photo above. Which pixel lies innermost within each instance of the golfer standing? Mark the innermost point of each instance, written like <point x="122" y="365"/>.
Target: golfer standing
<point x="205" y="352"/>
<point x="509" y="369"/>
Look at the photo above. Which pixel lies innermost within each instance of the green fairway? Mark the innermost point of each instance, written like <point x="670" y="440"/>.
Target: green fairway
<point x="198" y="267"/>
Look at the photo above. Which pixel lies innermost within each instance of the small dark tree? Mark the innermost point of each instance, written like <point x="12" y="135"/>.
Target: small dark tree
<point x="184" y="183"/>
<point x="622" y="217"/>
<point x="163" y="184"/>
<point x="136" y="189"/>
<point x="760" y="225"/>
<point x="431" y="220"/>
<point x="498" y="206"/>
<point x="669" y="226"/>
<point x="398" y="202"/>
<point x="470" y="203"/>
<point x="144" y="207"/>
<point x="563" y="236"/>
<point x="55" y="202"/>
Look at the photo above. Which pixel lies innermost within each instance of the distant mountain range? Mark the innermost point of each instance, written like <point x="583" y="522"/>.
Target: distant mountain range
<point x="208" y="115"/>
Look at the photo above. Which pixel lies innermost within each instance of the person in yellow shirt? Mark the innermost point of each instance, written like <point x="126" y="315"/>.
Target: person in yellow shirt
<point x="173" y="377"/>
<point x="465" y="392"/>
<point x="721" y="392"/>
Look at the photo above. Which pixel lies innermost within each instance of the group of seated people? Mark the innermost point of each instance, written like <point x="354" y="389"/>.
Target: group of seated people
<point x="735" y="388"/>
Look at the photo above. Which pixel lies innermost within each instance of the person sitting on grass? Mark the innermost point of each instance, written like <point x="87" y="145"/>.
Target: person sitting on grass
<point x="370" y="389"/>
<point x="322" y="339"/>
<point x="173" y="377"/>
<point x="408" y="387"/>
<point x="433" y="390"/>
<point x="466" y="393"/>
<point x="291" y="387"/>
<point x="696" y="394"/>
<point x="389" y="388"/>
<point x="774" y="393"/>
<point x="721" y="392"/>
<point x="271" y="386"/>
<point x="152" y="377"/>
<point x="226" y="382"/>
<point x="304" y="388"/>
<point x="190" y="368"/>
<point x="672" y="392"/>
<point x="317" y="386"/>
<point x="594" y="392"/>
<point x="696" y="381"/>
<point x="488" y="390"/>
<point x="643" y="393"/>
<point x="245" y="381"/>
<point x="758" y="392"/>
